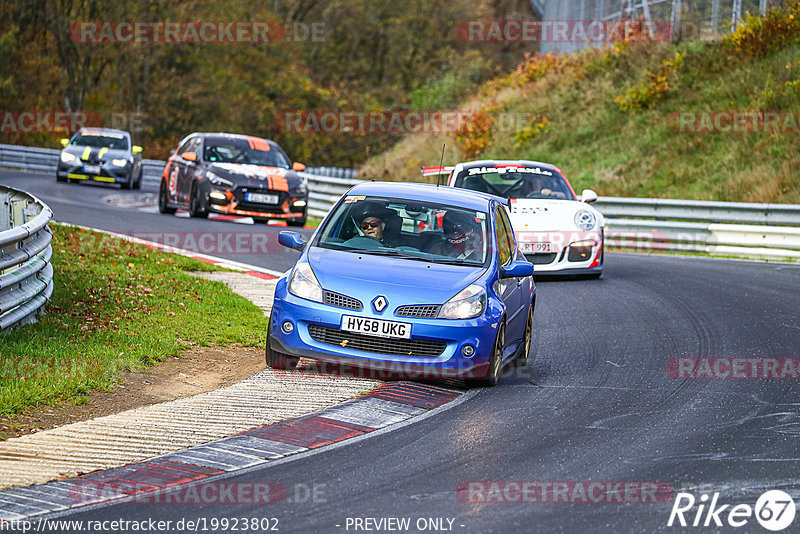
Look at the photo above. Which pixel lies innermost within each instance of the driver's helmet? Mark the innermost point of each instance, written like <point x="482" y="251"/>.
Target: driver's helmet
<point x="458" y="225"/>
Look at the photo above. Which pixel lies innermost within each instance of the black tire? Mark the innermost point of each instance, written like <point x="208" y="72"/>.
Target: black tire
<point x="296" y="222"/>
<point x="495" y="361"/>
<point x="522" y="358"/>
<point x="138" y="184"/>
<point x="278" y="360"/>
<point x="197" y="207"/>
<point x="60" y="178"/>
<point x="163" y="202"/>
<point x="129" y="183"/>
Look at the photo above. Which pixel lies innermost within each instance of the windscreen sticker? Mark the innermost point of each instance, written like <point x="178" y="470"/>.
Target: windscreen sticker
<point x="504" y="170"/>
<point x="352" y="198"/>
<point x="479" y="216"/>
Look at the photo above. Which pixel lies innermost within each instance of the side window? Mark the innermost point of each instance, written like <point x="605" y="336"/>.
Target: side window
<point x="512" y="243"/>
<point x="185" y="146"/>
<point x="196" y="147"/>
<point x="504" y="240"/>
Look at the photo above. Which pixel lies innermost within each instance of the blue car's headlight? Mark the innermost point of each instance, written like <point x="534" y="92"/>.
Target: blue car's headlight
<point x="66" y="157"/>
<point x="469" y="303"/>
<point x="216" y="180"/>
<point x="304" y="284"/>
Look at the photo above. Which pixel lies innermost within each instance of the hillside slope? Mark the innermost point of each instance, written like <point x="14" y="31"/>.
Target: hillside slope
<point x="642" y="119"/>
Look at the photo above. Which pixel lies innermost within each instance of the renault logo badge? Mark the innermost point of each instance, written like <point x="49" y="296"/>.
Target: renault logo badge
<point x="380" y="303"/>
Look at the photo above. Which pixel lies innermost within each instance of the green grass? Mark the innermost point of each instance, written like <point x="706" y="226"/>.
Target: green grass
<point x="116" y="306"/>
<point x="635" y="153"/>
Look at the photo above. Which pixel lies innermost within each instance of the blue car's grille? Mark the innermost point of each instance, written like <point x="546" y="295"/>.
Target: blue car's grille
<point x="341" y="301"/>
<point x="377" y="345"/>
<point x="420" y="312"/>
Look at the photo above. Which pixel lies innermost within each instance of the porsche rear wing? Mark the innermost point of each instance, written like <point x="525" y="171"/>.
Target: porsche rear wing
<point x="433" y="171"/>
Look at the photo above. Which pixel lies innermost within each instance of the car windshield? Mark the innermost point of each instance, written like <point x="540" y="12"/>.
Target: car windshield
<point x="407" y="229"/>
<point x="516" y="181"/>
<point x="252" y="151"/>
<point x="100" y="141"/>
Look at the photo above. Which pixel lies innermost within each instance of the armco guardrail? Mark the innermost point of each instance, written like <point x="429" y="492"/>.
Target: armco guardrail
<point x="722" y="228"/>
<point x="725" y="228"/>
<point x="26" y="275"/>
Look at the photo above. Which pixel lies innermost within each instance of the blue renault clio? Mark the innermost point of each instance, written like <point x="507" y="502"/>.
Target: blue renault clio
<point x="411" y="280"/>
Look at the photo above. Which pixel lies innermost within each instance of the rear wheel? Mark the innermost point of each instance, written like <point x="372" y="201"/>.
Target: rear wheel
<point x="522" y="358"/>
<point x="495" y="361"/>
<point x="138" y="184"/>
<point x="278" y="360"/>
<point x="163" y="200"/>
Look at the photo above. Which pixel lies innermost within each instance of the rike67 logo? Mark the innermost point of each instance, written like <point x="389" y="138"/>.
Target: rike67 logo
<point x="774" y="510"/>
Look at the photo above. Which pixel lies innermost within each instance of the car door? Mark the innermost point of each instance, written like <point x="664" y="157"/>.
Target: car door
<point x="187" y="169"/>
<point x="509" y="289"/>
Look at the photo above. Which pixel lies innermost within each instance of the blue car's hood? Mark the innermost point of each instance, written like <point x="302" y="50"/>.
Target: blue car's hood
<point x="401" y="281"/>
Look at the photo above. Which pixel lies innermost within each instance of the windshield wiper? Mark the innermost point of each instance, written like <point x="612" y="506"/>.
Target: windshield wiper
<point x="454" y="261"/>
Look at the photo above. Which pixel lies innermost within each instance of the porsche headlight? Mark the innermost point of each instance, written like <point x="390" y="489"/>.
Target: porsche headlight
<point x="469" y="303"/>
<point x="216" y="180"/>
<point x="585" y="220"/>
<point x="304" y="284"/>
<point x="66" y="157"/>
<point x="119" y="162"/>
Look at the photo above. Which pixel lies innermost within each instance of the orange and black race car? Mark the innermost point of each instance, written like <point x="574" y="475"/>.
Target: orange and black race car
<point x="234" y="174"/>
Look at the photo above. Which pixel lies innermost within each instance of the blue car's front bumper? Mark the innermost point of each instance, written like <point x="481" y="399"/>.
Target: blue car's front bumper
<point x="479" y="333"/>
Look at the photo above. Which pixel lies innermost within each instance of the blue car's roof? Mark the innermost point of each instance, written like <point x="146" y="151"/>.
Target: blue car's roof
<point x="427" y="193"/>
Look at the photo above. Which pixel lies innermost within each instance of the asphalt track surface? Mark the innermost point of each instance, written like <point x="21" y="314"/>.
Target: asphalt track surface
<point x="596" y="404"/>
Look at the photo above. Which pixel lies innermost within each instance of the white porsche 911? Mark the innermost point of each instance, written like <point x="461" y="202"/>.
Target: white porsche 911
<point x="557" y="232"/>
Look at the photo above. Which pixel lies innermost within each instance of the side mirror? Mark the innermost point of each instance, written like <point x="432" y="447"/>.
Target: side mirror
<point x="517" y="269"/>
<point x="299" y="167"/>
<point x="588" y="196"/>
<point x="189" y="156"/>
<point x="137" y="149"/>
<point x="64" y="142"/>
<point x="291" y="240"/>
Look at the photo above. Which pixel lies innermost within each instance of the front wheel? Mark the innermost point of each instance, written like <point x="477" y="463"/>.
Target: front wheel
<point x="163" y="201"/>
<point x="495" y="361"/>
<point x="196" y="205"/>
<point x="130" y="182"/>
<point x="296" y="222"/>
<point x="278" y="360"/>
<point x="138" y="184"/>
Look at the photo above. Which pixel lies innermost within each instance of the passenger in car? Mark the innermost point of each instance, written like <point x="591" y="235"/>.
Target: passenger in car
<point x="462" y="237"/>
